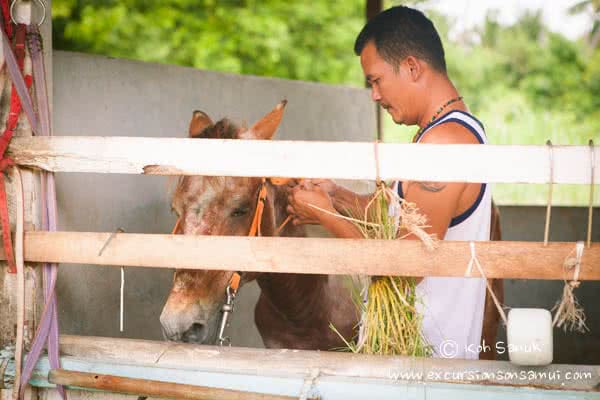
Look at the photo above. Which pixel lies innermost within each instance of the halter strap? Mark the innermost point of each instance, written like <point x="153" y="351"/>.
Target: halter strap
<point x="234" y="281"/>
<point x="177" y="223"/>
<point x="260" y="207"/>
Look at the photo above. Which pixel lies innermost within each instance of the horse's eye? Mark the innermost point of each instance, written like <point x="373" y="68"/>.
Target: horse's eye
<point x="239" y="212"/>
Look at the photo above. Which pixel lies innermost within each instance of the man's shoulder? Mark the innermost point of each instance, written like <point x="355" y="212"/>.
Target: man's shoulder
<point x="450" y="132"/>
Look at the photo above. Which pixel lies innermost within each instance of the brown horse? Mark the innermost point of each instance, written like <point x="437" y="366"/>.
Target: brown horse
<point x="293" y="310"/>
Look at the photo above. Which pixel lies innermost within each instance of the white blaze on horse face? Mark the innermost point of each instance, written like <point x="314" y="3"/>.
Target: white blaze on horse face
<point x="199" y="219"/>
<point x="216" y="206"/>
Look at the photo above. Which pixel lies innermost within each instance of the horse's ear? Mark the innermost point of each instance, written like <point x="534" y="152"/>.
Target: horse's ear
<point x="199" y="121"/>
<point x="265" y="128"/>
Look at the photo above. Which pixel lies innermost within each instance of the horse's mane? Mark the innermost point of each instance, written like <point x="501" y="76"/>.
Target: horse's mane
<point x="223" y="129"/>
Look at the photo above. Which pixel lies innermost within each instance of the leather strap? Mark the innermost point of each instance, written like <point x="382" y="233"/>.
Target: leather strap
<point x="260" y="207"/>
<point x="234" y="281"/>
<point x="47" y="331"/>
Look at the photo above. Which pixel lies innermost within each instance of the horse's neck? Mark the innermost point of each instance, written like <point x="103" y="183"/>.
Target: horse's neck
<point x="296" y="296"/>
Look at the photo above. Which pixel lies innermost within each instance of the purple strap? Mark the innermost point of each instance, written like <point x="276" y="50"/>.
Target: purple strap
<point x="47" y="331"/>
<point x="18" y="81"/>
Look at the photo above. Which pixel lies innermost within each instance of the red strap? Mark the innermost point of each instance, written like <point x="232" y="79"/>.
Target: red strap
<point x="5" y="162"/>
<point x="15" y="103"/>
<point x="6" y="14"/>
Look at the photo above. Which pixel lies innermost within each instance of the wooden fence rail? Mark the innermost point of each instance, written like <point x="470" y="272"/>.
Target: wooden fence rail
<point x="284" y="371"/>
<point x="339" y="160"/>
<point x="520" y="260"/>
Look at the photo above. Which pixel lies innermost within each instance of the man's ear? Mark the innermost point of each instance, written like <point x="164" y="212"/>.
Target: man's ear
<point x="266" y="127"/>
<point x="198" y="123"/>
<point x="414" y="67"/>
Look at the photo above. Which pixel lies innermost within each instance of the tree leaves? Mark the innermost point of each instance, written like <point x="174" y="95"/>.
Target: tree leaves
<point x="296" y="40"/>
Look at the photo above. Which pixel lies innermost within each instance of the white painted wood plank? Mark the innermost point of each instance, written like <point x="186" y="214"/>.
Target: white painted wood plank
<point x="339" y="160"/>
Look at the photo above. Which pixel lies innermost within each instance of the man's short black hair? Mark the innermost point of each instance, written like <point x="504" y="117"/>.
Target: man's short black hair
<point x="399" y="32"/>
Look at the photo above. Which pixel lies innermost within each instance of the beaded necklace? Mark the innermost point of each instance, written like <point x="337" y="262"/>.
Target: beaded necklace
<point x="437" y="113"/>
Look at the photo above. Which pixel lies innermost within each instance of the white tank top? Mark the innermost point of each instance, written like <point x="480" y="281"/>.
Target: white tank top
<point x="452" y="308"/>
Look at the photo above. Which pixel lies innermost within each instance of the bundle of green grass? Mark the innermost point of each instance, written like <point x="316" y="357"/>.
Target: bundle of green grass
<point x="390" y="323"/>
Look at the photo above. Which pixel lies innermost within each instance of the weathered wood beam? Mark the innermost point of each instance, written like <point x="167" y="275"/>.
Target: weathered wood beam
<point x="340" y="160"/>
<point x="147" y="387"/>
<point x="344" y="374"/>
<point x="519" y="260"/>
<point x="24" y="11"/>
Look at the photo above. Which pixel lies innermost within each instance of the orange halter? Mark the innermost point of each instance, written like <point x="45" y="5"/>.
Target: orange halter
<point x="260" y="207"/>
<point x="234" y="282"/>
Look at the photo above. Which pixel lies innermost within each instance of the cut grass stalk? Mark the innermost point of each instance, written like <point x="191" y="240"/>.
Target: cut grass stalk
<point x="390" y="322"/>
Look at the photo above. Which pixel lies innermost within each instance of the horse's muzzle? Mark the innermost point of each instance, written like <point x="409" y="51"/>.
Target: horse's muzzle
<point x="197" y="333"/>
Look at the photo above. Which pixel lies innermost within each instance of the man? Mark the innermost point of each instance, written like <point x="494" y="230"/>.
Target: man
<point x="403" y="60"/>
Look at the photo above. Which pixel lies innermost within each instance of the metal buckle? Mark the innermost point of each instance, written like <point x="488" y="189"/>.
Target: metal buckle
<point x="40" y="2"/>
<point x="227" y="309"/>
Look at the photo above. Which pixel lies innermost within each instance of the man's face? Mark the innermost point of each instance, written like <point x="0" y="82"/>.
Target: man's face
<point x="389" y="88"/>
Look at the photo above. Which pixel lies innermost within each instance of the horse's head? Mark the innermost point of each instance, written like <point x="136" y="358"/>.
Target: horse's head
<point x="212" y="206"/>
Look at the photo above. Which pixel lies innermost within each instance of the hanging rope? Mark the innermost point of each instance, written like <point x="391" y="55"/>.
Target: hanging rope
<point x="569" y="313"/>
<point x="591" y="203"/>
<point x="550" y="184"/>
<point x="377" y="169"/>
<point x="475" y="262"/>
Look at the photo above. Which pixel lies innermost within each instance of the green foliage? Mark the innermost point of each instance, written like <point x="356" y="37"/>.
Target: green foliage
<point x="527" y="85"/>
<point x="524" y="82"/>
<point x="294" y="40"/>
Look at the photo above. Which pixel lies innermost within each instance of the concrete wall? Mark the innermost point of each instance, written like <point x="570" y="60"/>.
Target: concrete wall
<point x="107" y="97"/>
<point x="568" y="224"/>
<point x="100" y="96"/>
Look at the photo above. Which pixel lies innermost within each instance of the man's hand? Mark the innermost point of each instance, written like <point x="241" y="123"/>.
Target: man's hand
<point x="309" y="201"/>
<point x="327" y="185"/>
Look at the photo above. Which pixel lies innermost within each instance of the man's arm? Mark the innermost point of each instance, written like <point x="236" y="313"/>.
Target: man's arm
<point x="345" y="201"/>
<point x="311" y="204"/>
<point x="439" y="201"/>
<point x="348" y="203"/>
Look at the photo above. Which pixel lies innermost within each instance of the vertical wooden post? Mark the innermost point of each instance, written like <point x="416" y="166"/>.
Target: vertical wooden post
<point x="31" y="187"/>
<point x="373" y="8"/>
